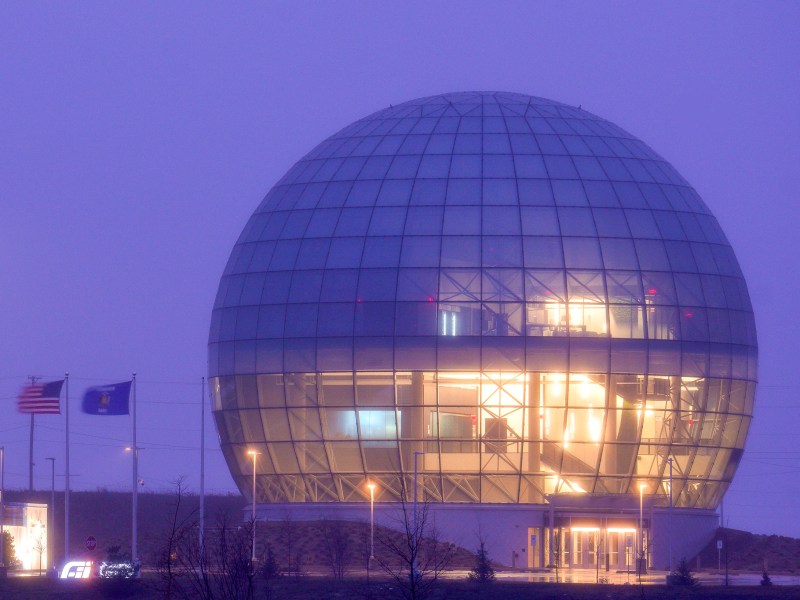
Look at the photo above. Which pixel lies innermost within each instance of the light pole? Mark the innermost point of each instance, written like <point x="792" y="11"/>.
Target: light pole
<point x="371" y="487"/>
<point x="254" y="454"/>
<point x="51" y="514"/>
<point x="134" y="450"/>
<point x="640" y="557"/>
<point x="669" y="520"/>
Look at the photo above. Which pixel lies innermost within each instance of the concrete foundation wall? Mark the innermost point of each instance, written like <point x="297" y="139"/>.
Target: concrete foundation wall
<point x="691" y="531"/>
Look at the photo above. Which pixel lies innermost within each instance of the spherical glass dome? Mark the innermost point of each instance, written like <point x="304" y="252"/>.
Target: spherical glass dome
<point x="518" y="289"/>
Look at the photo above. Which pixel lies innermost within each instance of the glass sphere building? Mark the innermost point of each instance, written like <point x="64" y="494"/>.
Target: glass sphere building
<point x="518" y="293"/>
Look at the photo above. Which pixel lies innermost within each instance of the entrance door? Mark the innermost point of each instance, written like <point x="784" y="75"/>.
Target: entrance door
<point x="585" y="544"/>
<point x="621" y="549"/>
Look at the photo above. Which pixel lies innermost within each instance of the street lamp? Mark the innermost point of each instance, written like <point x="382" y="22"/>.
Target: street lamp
<point x="51" y="514"/>
<point x="134" y="450"/>
<point x="254" y="454"/>
<point x="371" y="487"/>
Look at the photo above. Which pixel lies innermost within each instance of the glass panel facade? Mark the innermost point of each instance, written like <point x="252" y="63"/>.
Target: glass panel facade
<point x="576" y="432"/>
<point x="529" y="296"/>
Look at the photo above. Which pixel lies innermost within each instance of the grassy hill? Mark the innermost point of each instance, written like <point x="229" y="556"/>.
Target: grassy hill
<point x="107" y="516"/>
<point x="301" y="545"/>
<point x="752" y="552"/>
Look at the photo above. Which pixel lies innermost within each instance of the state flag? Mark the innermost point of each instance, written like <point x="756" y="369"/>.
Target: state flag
<point x="107" y="399"/>
<point x="41" y="398"/>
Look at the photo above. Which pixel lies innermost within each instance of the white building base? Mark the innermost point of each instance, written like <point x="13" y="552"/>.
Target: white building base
<point x="575" y="531"/>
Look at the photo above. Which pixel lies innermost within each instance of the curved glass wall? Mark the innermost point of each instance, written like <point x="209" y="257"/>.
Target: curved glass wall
<point x="519" y="289"/>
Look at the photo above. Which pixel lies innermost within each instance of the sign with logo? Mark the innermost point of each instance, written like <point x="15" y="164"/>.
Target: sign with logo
<point x="91" y="543"/>
<point x="719" y="544"/>
<point x="119" y="570"/>
<point x="77" y="569"/>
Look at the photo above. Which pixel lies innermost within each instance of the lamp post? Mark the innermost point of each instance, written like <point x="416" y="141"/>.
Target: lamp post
<point x="371" y="487"/>
<point x="134" y="450"/>
<point x="51" y="514"/>
<point x="254" y="454"/>
<point x="640" y="557"/>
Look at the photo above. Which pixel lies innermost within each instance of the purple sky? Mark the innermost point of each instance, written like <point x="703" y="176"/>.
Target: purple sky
<point x="137" y="138"/>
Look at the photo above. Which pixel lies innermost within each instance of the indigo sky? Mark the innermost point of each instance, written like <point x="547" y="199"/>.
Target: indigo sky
<point x="137" y="138"/>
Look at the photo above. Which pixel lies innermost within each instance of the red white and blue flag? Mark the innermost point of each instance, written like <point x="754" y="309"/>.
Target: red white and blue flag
<point x="41" y="398"/>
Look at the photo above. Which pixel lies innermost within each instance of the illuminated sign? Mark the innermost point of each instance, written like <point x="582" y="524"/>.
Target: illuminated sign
<point x="77" y="569"/>
<point x="119" y="570"/>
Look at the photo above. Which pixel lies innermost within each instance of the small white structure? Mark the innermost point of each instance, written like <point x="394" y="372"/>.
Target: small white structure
<point x="27" y="524"/>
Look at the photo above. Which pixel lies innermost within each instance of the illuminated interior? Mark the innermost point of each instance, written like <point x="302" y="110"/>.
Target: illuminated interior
<point x="27" y="523"/>
<point x="496" y="437"/>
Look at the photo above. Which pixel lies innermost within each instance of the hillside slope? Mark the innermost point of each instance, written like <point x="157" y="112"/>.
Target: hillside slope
<point x="752" y="552"/>
<point x="107" y="517"/>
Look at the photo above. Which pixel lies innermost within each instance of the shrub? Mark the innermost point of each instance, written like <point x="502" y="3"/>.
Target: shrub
<point x="270" y="569"/>
<point x="10" y="551"/>
<point x="682" y="575"/>
<point x="482" y="572"/>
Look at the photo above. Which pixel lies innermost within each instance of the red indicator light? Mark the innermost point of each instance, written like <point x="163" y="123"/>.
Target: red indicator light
<point x="430" y="298"/>
<point x="652" y="291"/>
<point x="688" y="315"/>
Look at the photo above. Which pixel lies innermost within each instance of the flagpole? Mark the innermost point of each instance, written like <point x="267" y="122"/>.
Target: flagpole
<point x="30" y="451"/>
<point x="30" y="455"/>
<point x="202" y="466"/>
<point x="134" y="555"/>
<point x="66" y="483"/>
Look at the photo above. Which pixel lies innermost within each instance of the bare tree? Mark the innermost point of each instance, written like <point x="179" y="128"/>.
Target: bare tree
<point x="288" y="538"/>
<point x="223" y="570"/>
<point x="220" y="570"/>
<point x="39" y="547"/>
<point x="555" y="550"/>
<point x="414" y="558"/>
<point x="180" y="526"/>
<point x="336" y="543"/>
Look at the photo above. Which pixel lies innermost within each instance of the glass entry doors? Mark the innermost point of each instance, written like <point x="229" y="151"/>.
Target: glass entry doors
<point x="586" y="547"/>
<point x="621" y="549"/>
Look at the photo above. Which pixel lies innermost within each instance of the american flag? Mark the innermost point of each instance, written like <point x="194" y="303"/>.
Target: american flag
<point x="41" y="398"/>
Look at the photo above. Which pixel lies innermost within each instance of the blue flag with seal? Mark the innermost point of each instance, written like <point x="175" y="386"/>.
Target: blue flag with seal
<point x="107" y="399"/>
